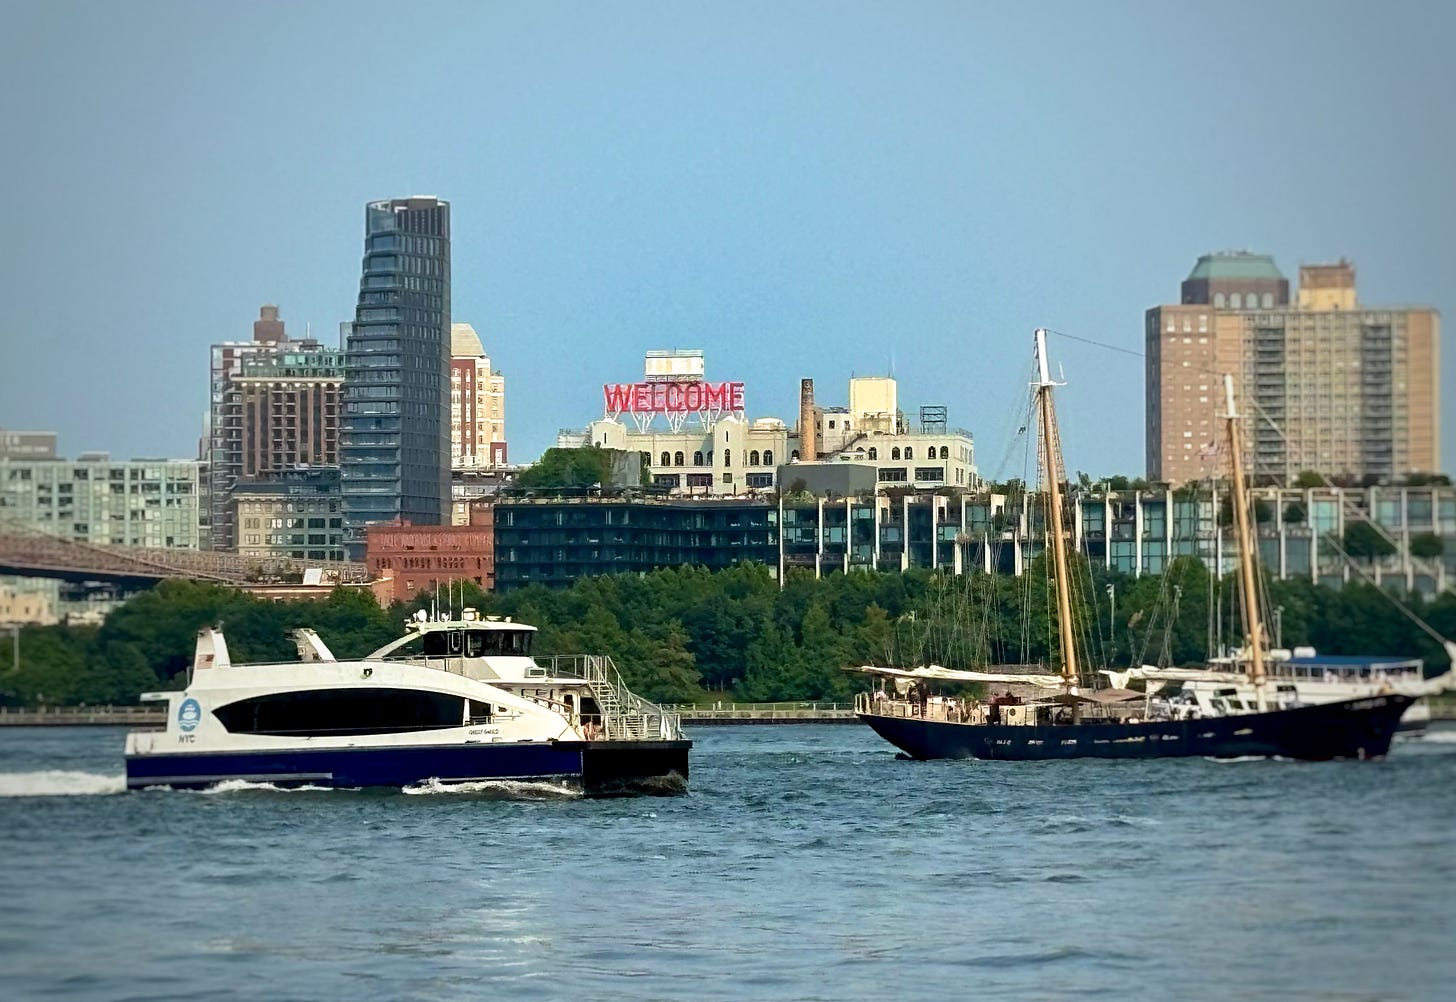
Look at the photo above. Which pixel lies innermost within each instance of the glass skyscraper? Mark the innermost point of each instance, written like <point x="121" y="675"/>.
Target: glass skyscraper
<point x="394" y="449"/>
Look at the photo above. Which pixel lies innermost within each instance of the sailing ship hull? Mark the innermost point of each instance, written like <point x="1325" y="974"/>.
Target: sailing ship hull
<point x="597" y="768"/>
<point x="1359" y="728"/>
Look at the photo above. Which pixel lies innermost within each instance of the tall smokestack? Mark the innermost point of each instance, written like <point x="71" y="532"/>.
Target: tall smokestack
<point x="808" y="422"/>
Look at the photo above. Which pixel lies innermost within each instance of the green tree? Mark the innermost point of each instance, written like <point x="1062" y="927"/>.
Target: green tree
<point x="1363" y="541"/>
<point x="585" y="467"/>
<point x="1427" y="545"/>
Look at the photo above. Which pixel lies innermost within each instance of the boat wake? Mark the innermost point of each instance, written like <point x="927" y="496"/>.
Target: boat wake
<point x="248" y="786"/>
<point x="59" y="783"/>
<point x="496" y="789"/>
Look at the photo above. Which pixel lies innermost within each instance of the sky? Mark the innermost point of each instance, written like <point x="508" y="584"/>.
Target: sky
<point x="801" y="190"/>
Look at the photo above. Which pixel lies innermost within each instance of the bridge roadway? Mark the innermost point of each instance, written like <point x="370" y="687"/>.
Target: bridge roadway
<point x="30" y="553"/>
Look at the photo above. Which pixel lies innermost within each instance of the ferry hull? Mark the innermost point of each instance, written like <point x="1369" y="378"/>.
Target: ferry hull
<point x="1360" y="728"/>
<point x="598" y="768"/>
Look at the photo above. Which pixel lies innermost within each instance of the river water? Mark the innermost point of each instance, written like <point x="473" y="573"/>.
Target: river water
<point x="808" y="862"/>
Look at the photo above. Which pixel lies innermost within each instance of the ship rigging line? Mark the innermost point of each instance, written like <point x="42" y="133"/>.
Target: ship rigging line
<point x="1099" y="344"/>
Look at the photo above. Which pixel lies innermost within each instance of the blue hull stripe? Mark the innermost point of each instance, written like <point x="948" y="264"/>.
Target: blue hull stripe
<point x="393" y="766"/>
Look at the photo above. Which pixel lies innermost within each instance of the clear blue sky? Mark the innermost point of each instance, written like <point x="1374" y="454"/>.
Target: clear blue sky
<point x="798" y="189"/>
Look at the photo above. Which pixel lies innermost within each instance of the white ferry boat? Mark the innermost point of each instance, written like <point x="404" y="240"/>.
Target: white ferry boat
<point x="451" y="701"/>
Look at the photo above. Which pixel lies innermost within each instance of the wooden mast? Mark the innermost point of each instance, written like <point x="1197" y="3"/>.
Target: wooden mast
<point x="1070" y="676"/>
<point x="1248" y="592"/>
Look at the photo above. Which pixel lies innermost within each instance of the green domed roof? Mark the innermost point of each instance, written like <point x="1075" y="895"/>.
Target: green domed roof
<point x="1235" y="264"/>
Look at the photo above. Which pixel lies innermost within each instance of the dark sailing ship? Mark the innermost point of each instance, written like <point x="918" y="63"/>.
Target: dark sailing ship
<point x="1115" y="723"/>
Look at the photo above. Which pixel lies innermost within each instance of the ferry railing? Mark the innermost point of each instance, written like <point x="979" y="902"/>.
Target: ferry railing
<point x="625" y="715"/>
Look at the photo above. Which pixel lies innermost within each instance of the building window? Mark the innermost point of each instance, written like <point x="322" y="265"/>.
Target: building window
<point x="753" y="458"/>
<point x="933" y="474"/>
<point x="945" y="452"/>
<point x="1236" y="301"/>
<point x="767" y="457"/>
<point x="874" y="453"/>
<point x="697" y="459"/>
<point x="1268" y="300"/>
<point x="909" y="452"/>
<point x="677" y="459"/>
<point x="727" y="457"/>
<point x="895" y="452"/>
<point x="727" y="478"/>
<point x="665" y="460"/>
<point x="892" y="475"/>
<point x="1218" y="300"/>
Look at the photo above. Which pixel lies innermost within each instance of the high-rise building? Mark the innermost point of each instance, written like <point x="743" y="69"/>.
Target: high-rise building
<point x="477" y="404"/>
<point x="395" y="443"/>
<point x="275" y="404"/>
<point x="1330" y="385"/>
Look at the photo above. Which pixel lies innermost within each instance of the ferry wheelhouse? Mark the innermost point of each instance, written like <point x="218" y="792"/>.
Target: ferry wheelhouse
<point x="453" y="701"/>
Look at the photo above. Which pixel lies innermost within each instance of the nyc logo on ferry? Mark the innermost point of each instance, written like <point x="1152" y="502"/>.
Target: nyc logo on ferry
<point x="189" y="714"/>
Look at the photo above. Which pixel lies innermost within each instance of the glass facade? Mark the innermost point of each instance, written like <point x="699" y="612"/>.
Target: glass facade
<point x="394" y="450"/>
<point x="554" y="542"/>
<point x="1137" y="533"/>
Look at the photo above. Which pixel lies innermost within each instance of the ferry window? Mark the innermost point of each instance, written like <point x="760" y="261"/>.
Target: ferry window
<point x="474" y="643"/>
<point x="480" y="713"/>
<point x="320" y="712"/>
<point x="440" y="644"/>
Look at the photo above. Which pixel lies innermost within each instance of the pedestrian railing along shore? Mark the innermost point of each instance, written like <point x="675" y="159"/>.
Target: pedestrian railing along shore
<point x="725" y="712"/>
<point x="70" y="716"/>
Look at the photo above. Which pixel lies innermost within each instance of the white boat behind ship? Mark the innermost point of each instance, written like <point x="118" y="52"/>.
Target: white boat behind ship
<point x="1299" y="678"/>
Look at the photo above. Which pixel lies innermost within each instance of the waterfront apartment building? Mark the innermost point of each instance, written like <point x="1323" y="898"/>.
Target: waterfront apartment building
<point x="1330" y="385"/>
<point x="555" y="541"/>
<point x="97" y="500"/>
<point x="290" y="513"/>
<point x="394" y="451"/>
<point x="275" y="404"/>
<point x="477" y="404"/>
<point x="737" y="456"/>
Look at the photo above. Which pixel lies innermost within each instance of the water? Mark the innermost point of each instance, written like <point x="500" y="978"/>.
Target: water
<point x="807" y="863"/>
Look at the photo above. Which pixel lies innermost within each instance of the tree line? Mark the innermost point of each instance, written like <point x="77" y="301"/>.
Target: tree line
<point x="684" y="634"/>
